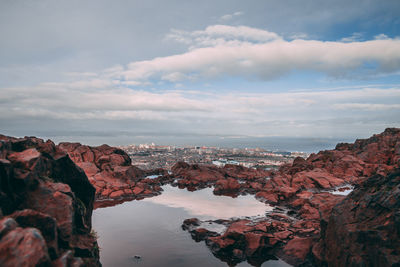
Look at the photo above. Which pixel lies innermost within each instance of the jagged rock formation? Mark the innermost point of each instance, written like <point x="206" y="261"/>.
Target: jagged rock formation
<point x="46" y="205"/>
<point x="303" y="192"/>
<point x="111" y="172"/>
<point x="364" y="229"/>
<point x="228" y="180"/>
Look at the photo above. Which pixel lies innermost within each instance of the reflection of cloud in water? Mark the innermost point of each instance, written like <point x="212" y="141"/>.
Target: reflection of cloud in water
<point x="204" y="203"/>
<point x="344" y="192"/>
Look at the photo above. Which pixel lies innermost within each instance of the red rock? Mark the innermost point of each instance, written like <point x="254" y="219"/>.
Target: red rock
<point x="83" y="247"/>
<point x="106" y="192"/>
<point x="287" y="192"/>
<point x="300" y="187"/>
<point x="283" y="235"/>
<point x="226" y="185"/>
<point x="197" y="173"/>
<point x="119" y="160"/>
<point x="6" y="225"/>
<point x="299" y="202"/>
<point x="180" y="166"/>
<point x="148" y="192"/>
<point x="239" y="227"/>
<point x="25" y="156"/>
<point x="300" y="164"/>
<point x="56" y="204"/>
<point x="298" y="248"/>
<point x="304" y="195"/>
<point x="67" y="259"/>
<point x="256" y="186"/>
<point x="23" y="247"/>
<point x="308" y="212"/>
<point x="128" y="191"/>
<point x="137" y="190"/>
<point x="363" y="228"/>
<point x="117" y="194"/>
<point x="89" y="168"/>
<point x="253" y="243"/>
<point x="268" y="196"/>
<point x="317" y="178"/>
<point x="106" y="167"/>
<point x="272" y="241"/>
<point x="221" y="243"/>
<point x="41" y="187"/>
<point x="324" y="202"/>
<point x="43" y="222"/>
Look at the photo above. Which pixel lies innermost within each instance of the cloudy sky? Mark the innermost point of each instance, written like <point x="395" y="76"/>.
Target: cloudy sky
<point x="225" y="68"/>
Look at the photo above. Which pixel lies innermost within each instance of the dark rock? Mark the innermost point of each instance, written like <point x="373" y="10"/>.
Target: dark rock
<point x="48" y="197"/>
<point x="23" y="247"/>
<point x="363" y="229"/>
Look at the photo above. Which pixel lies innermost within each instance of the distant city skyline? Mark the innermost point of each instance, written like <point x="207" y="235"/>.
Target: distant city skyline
<point x="174" y="72"/>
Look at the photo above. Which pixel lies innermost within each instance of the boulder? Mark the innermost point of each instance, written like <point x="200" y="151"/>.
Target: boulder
<point x="45" y="201"/>
<point x="107" y="167"/>
<point x="363" y="229"/>
<point x="23" y="247"/>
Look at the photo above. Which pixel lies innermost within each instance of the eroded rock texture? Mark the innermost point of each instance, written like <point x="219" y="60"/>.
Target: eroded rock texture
<point x="310" y="225"/>
<point x="46" y="205"/>
<point x="364" y="229"/>
<point x="111" y="172"/>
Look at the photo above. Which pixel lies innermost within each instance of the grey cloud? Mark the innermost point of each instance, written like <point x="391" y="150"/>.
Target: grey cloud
<point x="82" y="49"/>
<point x="248" y="114"/>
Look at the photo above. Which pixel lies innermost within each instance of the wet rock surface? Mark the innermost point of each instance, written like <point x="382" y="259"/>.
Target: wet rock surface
<point x="46" y="203"/>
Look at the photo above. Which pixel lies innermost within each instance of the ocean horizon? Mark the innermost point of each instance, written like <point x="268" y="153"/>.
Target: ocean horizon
<point x="275" y="143"/>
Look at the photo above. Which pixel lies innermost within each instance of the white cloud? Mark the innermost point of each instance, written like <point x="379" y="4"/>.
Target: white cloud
<point x="81" y="74"/>
<point x="299" y="35"/>
<point x="381" y="36"/>
<point x="366" y="106"/>
<point x="227" y="17"/>
<point x="174" y="77"/>
<point x="231" y="16"/>
<point x="222" y="50"/>
<point x="238" y="32"/>
<point x="353" y="38"/>
<point x="134" y="83"/>
<point x="221" y="35"/>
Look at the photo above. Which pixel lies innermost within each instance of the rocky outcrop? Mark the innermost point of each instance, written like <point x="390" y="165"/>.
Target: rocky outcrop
<point x="303" y="190"/>
<point x="111" y="172"/>
<point x="364" y="229"/>
<point x="256" y="241"/>
<point x="46" y="202"/>
<point x="230" y="180"/>
<point x="348" y="164"/>
<point x="46" y="205"/>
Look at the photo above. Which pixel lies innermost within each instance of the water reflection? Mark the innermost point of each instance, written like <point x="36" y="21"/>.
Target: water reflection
<point x="151" y="228"/>
<point x="205" y="205"/>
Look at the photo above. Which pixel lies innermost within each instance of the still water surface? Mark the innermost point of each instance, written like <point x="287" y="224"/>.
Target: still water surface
<point x="151" y="228"/>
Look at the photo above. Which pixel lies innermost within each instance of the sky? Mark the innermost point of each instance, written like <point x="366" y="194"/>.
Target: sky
<point x="94" y="71"/>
